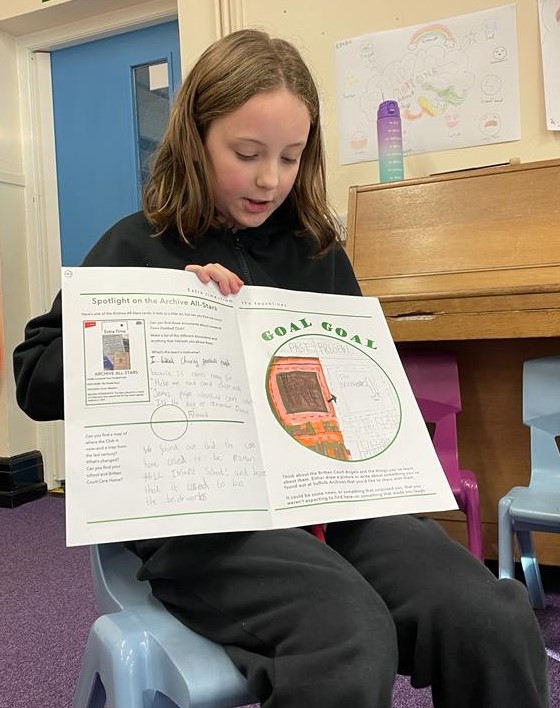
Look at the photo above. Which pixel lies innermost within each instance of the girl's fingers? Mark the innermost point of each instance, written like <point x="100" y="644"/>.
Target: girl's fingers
<point x="200" y="272"/>
<point x="228" y="282"/>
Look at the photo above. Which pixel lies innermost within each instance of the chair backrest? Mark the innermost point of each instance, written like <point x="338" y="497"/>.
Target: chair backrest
<point x="541" y="413"/>
<point x="434" y="378"/>
<point x="113" y="570"/>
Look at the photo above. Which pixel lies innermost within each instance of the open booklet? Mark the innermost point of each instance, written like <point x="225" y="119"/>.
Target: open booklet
<point x="190" y="412"/>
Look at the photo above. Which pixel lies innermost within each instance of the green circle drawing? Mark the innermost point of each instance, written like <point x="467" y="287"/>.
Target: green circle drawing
<point x="333" y="398"/>
<point x="169" y="422"/>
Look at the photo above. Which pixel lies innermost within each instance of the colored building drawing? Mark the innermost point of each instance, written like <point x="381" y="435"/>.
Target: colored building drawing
<point x="333" y="398"/>
<point x="304" y="406"/>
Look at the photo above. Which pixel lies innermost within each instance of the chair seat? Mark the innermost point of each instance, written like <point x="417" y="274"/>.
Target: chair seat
<point x="138" y="655"/>
<point x="535" y="506"/>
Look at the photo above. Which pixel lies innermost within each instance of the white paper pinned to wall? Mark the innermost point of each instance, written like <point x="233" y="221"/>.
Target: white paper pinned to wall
<point x="549" y="18"/>
<point x="456" y="81"/>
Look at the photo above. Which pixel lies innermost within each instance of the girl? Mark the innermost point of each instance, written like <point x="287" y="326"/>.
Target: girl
<point x="237" y="195"/>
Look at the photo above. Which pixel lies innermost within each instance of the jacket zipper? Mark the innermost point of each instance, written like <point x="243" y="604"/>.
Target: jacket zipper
<point x="242" y="260"/>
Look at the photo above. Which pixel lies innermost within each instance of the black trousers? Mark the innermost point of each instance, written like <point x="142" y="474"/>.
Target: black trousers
<point x="326" y="626"/>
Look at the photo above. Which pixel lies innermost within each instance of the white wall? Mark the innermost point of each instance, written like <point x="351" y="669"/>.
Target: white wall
<point x="17" y="434"/>
<point x="199" y="25"/>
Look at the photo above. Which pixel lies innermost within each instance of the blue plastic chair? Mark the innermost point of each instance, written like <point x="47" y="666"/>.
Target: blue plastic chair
<point x="139" y="656"/>
<point x="537" y="506"/>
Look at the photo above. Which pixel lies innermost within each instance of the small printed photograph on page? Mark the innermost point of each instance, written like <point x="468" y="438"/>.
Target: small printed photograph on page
<point x="116" y="346"/>
<point x="116" y="362"/>
<point x="334" y="399"/>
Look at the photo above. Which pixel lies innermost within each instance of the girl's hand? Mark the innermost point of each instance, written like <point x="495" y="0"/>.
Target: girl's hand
<point x="228" y="282"/>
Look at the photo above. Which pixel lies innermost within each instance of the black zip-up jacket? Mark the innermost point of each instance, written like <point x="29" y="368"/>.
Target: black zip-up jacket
<point x="272" y="255"/>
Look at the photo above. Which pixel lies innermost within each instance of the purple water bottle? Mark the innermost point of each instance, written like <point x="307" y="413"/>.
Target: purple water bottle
<point x="389" y="142"/>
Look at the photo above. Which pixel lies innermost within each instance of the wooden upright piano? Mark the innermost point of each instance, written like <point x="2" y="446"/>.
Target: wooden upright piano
<point x="470" y="262"/>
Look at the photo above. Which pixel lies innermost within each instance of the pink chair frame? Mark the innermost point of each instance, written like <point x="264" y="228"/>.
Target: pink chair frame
<point x="434" y="378"/>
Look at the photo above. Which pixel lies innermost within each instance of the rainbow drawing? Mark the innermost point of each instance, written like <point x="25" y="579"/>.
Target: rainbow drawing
<point x="434" y="33"/>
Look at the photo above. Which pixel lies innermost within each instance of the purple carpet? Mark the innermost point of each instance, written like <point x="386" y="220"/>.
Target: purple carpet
<point x="47" y="608"/>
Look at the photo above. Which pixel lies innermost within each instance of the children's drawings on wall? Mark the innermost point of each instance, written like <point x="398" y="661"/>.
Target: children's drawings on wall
<point x="549" y="16"/>
<point x="456" y="82"/>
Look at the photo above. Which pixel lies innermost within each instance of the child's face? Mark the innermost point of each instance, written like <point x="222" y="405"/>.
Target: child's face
<point x="254" y="155"/>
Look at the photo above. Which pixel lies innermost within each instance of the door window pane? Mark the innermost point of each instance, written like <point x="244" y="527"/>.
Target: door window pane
<point x="152" y="101"/>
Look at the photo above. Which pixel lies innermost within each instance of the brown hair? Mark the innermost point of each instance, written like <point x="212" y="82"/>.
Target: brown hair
<point x="229" y="73"/>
